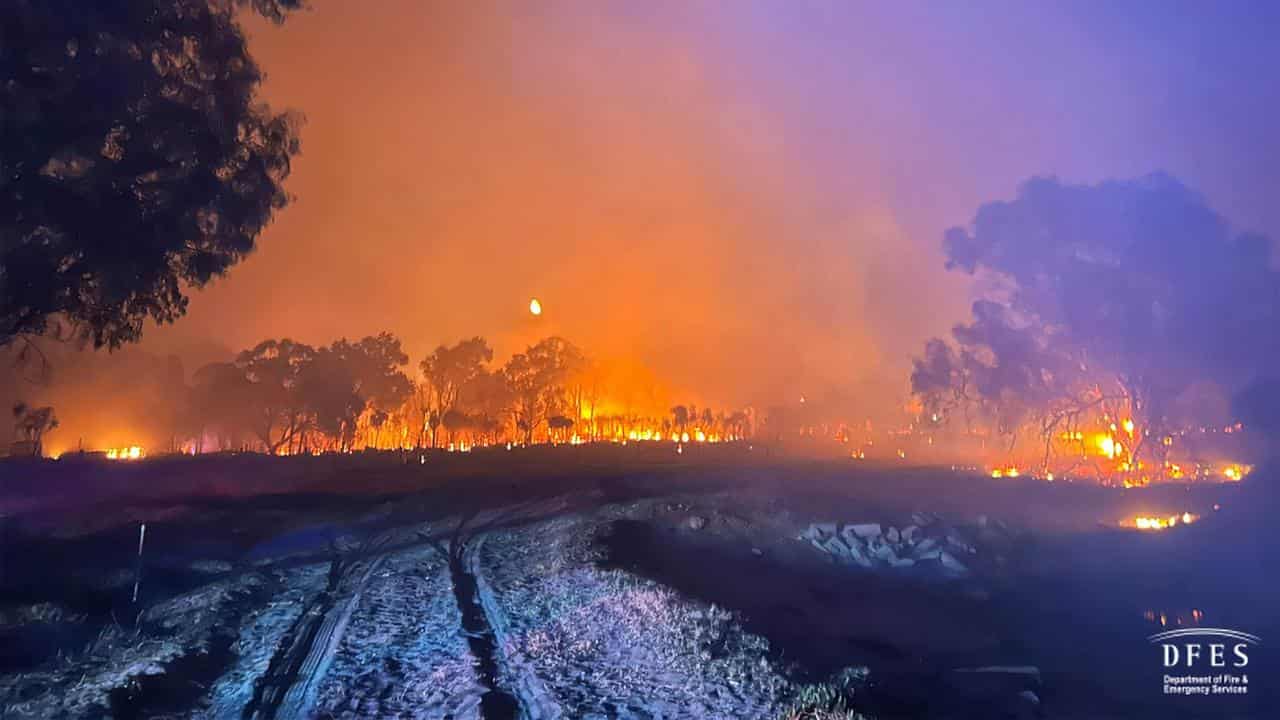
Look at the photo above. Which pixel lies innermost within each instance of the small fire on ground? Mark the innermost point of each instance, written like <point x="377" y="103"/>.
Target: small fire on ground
<point x="1153" y="522"/>
<point x="133" y="452"/>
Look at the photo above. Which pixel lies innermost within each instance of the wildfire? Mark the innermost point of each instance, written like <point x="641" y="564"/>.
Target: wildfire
<point x="1108" y="446"/>
<point x="1235" y="472"/>
<point x="1144" y="522"/>
<point x="133" y="452"/>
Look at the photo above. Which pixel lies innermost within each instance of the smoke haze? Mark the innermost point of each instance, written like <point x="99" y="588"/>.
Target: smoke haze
<point x="738" y="203"/>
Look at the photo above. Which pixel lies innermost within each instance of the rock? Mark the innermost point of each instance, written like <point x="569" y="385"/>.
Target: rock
<point x="757" y="552"/>
<point x="949" y="562"/>
<point x="211" y="566"/>
<point x="922" y="519"/>
<point x="846" y="532"/>
<point x="910" y="534"/>
<point x="866" y="530"/>
<point x="835" y="547"/>
<point x="1025" y="706"/>
<point x="928" y="555"/>
<point x="825" y="529"/>
<point x="892" y="535"/>
<point x="925" y="545"/>
<point x="696" y="522"/>
<point x="859" y="556"/>
<point x="902" y="562"/>
<point x="955" y="542"/>
<point x="884" y="553"/>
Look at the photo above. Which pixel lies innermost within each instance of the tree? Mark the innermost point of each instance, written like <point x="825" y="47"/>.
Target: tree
<point x="680" y="416"/>
<point x="32" y="423"/>
<point x="327" y="386"/>
<point x="279" y="409"/>
<point x="454" y="421"/>
<point x="1113" y="300"/>
<point x="338" y="384"/>
<point x="559" y="426"/>
<point x="488" y="399"/>
<point x="536" y="380"/>
<point x="221" y="398"/>
<point x="369" y="380"/>
<point x="448" y="369"/>
<point x="376" y="361"/>
<point x="579" y="379"/>
<point x="135" y="160"/>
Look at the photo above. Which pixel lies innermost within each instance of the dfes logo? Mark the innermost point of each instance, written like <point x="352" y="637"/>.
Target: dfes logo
<point x="1205" y="647"/>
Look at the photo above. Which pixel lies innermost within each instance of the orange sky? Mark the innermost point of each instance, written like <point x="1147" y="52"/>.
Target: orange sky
<point x="737" y="201"/>
<point x="459" y="158"/>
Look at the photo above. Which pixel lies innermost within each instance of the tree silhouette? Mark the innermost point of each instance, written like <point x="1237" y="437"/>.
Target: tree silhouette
<point x="559" y="426"/>
<point x="536" y="379"/>
<point x="32" y="423"/>
<point x="1117" y="299"/>
<point x="488" y="399"/>
<point x="680" y="416"/>
<point x="135" y="160"/>
<point x="447" y="370"/>
<point x="279" y="408"/>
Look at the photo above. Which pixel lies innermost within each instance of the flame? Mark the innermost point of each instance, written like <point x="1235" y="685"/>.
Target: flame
<point x="1146" y="522"/>
<point x="535" y="307"/>
<point x="133" y="452"/>
<point x="1236" y="472"/>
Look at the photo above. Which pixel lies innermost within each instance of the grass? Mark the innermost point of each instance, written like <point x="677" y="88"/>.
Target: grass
<point x="834" y="699"/>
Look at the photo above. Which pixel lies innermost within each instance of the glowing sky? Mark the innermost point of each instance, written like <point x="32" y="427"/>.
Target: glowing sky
<point x="745" y="197"/>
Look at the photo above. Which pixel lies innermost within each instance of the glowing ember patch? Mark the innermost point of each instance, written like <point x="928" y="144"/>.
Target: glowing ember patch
<point x="1235" y="472"/>
<point x="535" y="307"/>
<point x="1107" y="445"/>
<point x="1143" y="522"/>
<point x="133" y="452"/>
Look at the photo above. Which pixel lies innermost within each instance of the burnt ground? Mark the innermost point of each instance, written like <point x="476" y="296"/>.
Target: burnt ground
<point x="490" y="585"/>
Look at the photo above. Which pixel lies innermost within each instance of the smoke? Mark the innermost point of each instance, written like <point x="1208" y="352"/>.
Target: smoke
<point x="460" y="159"/>
<point x="726" y="207"/>
<point x="128" y="397"/>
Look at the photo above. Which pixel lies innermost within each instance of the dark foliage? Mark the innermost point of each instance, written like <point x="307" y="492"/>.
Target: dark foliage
<point x="135" y="160"/>
<point x="1131" y="294"/>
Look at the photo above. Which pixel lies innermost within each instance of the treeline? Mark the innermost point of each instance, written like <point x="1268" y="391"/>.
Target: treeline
<point x="287" y="397"/>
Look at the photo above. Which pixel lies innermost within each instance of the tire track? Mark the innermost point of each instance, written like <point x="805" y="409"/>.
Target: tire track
<point x="287" y="690"/>
<point x="487" y="632"/>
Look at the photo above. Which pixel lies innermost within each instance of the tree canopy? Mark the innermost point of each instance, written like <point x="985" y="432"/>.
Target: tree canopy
<point x="1122" y="297"/>
<point x="135" y="159"/>
<point x="536" y="378"/>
